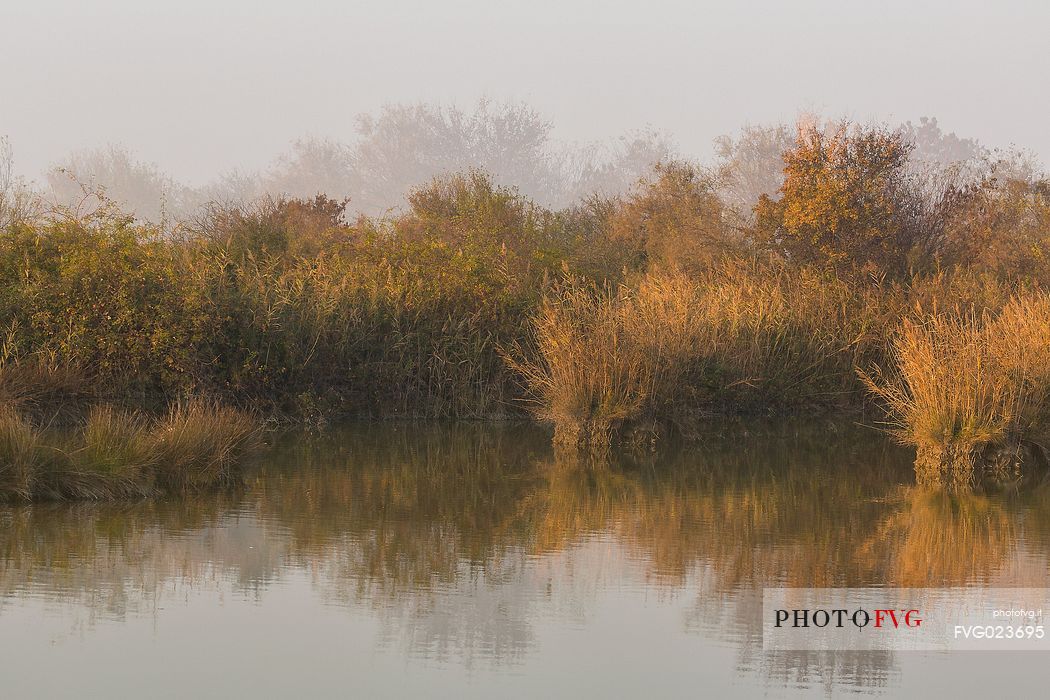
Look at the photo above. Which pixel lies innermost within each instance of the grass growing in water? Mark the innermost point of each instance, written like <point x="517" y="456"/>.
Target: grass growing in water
<point x="199" y="444"/>
<point x="964" y="382"/>
<point x="118" y="454"/>
<point x="19" y="459"/>
<point x="591" y="375"/>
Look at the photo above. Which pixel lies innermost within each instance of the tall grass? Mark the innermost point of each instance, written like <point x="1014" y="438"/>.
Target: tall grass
<point x="19" y="454"/>
<point x="200" y="444"/>
<point x="114" y="453"/>
<point x="40" y="383"/>
<point x="674" y="347"/>
<point x="963" y="381"/>
<point x="115" y="442"/>
<point x="590" y="375"/>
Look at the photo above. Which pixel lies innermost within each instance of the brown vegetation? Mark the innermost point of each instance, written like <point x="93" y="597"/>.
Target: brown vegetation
<point x="619" y="315"/>
<point x="963" y="382"/>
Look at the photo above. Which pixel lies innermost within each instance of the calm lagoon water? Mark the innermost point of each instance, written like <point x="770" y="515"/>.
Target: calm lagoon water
<point x="472" y="561"/>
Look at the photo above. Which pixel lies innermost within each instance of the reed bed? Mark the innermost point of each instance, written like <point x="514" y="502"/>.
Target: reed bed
<point x="673" y="347"/>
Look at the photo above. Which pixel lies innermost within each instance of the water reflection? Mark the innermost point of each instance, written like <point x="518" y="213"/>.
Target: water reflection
<point x="466" y="543"/>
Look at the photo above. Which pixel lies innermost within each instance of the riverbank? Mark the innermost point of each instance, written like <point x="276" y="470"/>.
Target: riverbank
<point x="617" y="320"/>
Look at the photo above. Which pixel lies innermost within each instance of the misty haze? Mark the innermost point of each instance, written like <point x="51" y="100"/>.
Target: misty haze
<point x="404" y="147"/>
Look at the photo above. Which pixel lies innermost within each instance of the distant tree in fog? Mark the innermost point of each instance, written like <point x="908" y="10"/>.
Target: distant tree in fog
<point x="607" y="170"/>
<point x="751" y="165"/>
<point x="233" y="187"/>
<point x="931" y="145"/>
<point x="401" y="148"/>
<point x="943" y="161"/>
<point x="946" y="165"/>
<point x="313" y="166"/>
<point x="17" y="201"/>
<point x="408" y="145"/>
<point x="133" y="185"/>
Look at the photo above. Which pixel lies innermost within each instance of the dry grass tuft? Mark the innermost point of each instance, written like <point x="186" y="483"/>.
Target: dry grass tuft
<point x="965" y="381"/>
<point x="591" y="375"/>
<point x="41" y="384"/>
<point x="19" y="454"/>
<point x="117" y="454"/>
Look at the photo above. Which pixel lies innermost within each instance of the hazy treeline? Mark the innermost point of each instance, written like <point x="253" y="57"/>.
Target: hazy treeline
<point x="406" y="145"/>
<point x="399" y="148"/>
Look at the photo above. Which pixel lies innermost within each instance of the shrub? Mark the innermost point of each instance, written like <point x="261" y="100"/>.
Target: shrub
<point x="846" y="201"/>
<point x="674" y="220"/>
<point x="1001" y="225"/>
<point x="101" y="294"/>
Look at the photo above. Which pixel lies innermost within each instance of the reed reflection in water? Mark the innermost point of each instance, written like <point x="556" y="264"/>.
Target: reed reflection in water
<point x="461" y="556"/>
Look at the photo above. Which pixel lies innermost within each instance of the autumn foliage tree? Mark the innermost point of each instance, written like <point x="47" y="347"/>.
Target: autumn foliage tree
<point x="1001" y="225"/>
<point x="847" y="201"/>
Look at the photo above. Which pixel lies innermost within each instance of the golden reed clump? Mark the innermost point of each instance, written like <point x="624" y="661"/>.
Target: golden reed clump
<point x="963" y="383"/>
<point x="672" y="347"/>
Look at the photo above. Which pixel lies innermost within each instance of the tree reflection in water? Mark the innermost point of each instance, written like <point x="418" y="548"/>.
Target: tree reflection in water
<point x="460" y="538"/>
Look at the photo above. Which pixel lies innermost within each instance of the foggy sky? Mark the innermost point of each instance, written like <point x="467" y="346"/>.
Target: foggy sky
<point x="202" y="86"/>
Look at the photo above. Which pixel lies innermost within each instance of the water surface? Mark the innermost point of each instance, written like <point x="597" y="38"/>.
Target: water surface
<point x="452" y="561"/>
